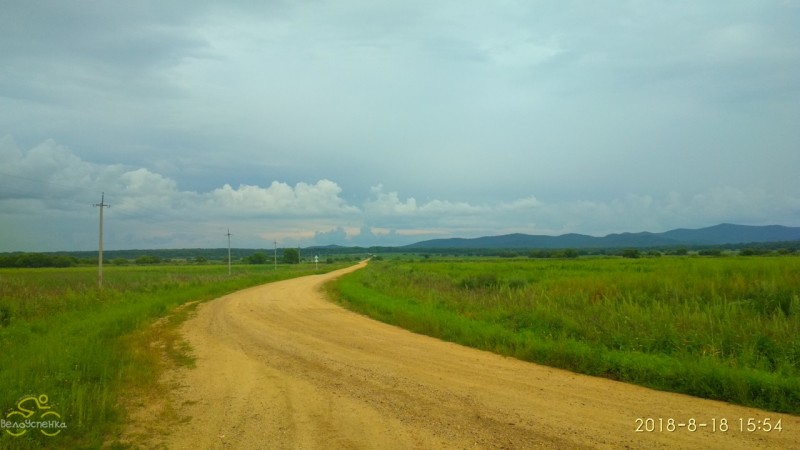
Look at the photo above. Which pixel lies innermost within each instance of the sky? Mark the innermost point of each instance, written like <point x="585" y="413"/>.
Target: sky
<point x="387" y="123"/>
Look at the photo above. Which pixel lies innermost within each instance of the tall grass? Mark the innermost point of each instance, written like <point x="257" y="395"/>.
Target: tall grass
<point x="721" y="328"/>
<point x="63" y="337"/>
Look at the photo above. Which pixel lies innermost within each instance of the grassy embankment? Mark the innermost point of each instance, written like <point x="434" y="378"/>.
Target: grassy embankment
<point x="720" y="328"/>
<point x="84" y="347"/>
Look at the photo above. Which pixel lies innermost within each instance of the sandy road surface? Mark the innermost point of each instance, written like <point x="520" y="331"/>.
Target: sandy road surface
<point x="278" y="366"/>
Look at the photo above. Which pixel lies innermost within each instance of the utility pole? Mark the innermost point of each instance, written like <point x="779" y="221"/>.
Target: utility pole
<point x="102" y="205"/>
<point x="276" y="255"/>
<point x="229" y="251"/>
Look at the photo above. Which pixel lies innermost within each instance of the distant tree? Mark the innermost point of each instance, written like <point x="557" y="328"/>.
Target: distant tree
<point x="681" y="251"/>
<point x="119" y="261"/>
<point x="291" y="256"/>
<point x="33" y="260"/>
<point x="147" y="259"/>
<point x="570" y="253"/>
<point x="65" y="261"/>
<point x="200" y="259"/>
<point x="256" y="258"/>
<point x="630" y="253"/>
<point x="540" y="254"/>
<point x="38" y="260"/>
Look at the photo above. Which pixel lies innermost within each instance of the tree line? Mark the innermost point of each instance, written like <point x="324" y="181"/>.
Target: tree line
<point x="40" y="260"/>
<point x="293" y="255"/>
<point x="35" y="260"/>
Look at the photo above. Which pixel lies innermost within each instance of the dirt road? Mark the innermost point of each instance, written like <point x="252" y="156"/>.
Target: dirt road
<point x="278" y="366"/>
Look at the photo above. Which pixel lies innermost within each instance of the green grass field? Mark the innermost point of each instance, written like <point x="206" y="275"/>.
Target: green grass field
<point x="721" y="328"/>
<point x="84" y="347"/>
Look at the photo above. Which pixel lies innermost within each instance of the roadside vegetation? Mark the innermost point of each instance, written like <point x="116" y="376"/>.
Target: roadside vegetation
<point x="725" y="328"/>
<point x="85" y="347"/>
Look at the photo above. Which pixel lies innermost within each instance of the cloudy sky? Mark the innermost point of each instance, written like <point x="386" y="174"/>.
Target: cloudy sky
<point x="385" y="123"/>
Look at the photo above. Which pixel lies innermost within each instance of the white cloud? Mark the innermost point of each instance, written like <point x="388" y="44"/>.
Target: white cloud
<point x="46" y="193"/>
<point x="523" y="204"/>
<point x="389" y="204"/>
<point x="49" y="181"/>
<point x="308" y="200"/>
<point x="51" y="173"/>
<point x="141" y="192"/>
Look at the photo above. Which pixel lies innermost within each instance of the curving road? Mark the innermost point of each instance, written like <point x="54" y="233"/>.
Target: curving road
<point x="278" y="366"/>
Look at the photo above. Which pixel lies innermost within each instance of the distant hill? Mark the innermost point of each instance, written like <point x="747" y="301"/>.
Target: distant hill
<point x="725" y="233"/>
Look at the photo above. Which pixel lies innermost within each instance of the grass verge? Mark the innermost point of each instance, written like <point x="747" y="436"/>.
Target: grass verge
<point x="83" y="347"/>
<point x="719" y="328"/>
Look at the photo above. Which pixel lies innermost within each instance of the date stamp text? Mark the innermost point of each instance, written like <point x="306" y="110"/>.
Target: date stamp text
<point x="713" y="425"/>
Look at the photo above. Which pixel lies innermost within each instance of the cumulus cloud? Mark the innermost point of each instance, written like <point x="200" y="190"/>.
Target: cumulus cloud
<point x="141" y="192"/>
<point x="307" y="200"/>
<point x="49" y="181"/>
<point x="51" y="173"/>
<point x="46" y="193"/>
<point x="389" y="204"/>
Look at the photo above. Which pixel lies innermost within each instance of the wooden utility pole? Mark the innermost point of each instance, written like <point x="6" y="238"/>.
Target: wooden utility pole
<point x="229" y="251"/>
<point x="102" y="205"/>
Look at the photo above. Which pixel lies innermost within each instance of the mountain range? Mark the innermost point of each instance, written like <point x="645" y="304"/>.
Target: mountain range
<point x="721" y="234"/>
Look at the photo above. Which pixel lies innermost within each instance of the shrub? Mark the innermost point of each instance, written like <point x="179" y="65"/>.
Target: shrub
<point x="630" y="253"/>
<point x="147" y="259"/>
